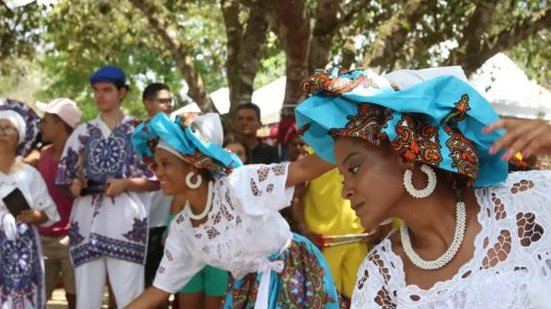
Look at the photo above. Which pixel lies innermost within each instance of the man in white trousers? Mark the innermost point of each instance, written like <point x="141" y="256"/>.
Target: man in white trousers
<point x="109" y="226"/>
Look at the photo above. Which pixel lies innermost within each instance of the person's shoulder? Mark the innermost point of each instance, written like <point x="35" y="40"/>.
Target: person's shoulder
<point x="45" y="150"/>
<point x="523" y="194"/>
<point x="523" y="181"/>
<point x="85" y="126"/>
<point x="27" y="170"/>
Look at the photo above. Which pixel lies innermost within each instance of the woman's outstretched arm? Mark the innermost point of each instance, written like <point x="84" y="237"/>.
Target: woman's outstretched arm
<point x="150" y="298"/>
<point x="305" y="169"/>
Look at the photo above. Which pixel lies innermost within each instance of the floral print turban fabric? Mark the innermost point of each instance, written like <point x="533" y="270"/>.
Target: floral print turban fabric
<point x="437" y="122"/>
<point x="180" y="136"/>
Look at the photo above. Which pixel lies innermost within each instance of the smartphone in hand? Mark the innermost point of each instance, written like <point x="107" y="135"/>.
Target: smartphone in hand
<point x="16" y="202"/>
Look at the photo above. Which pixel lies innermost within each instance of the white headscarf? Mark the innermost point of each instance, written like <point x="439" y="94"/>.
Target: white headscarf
<point x="209" y="127"/>
<point x="407" y="78"/>
<point x="164" y="145"/>
<point x="17" y="121"/>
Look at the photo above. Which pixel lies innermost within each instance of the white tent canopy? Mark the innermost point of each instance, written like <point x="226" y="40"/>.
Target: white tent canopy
<point x="510" y="91"/>
<point x="269" y="98"/>
<point x="499" y="79"/>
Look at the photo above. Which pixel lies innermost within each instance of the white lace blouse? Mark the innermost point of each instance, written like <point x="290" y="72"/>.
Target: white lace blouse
<point x="511" y="266"/>
<point x="243" y="228"/>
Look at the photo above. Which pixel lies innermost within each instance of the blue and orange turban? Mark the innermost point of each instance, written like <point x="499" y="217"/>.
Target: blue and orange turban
<point x="195" y="139"/>
<point x="437" y="121"/>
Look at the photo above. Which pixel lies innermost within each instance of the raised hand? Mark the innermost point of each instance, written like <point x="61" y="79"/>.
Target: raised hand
<point x="530" y="137"/>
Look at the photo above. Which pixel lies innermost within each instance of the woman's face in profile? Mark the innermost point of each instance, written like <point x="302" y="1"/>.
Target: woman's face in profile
<point x="372" y="179"/>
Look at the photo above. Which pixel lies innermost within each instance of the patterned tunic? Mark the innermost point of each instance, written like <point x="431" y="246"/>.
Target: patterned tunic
<point x="100" y="225"/>
<point x="21" y="267"/>
<point x="511" y="266"/>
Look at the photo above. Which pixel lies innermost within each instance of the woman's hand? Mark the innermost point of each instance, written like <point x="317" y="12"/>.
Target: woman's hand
<point x="530" y="137"/>
<point x="76" y="186"/>
<point x="32" y="217"/>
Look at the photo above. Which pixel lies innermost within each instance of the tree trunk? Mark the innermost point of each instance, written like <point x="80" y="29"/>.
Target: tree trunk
<point x="244" y="50"/>
<point x="325" y="28"/>
<point x="473" y="34"/>
<point x="292" y="26"/>
<point x="180" y="53"/>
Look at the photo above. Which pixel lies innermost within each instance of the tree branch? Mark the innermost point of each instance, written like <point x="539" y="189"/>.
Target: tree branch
<point x="325" y="28"/>
<point x="504" y="40"/>
<point x="393" y="34"/>
<point x="473" y="34"/>
<point x="353" y="10"/>
<point x="243" y="50"/>
<point x="179" y="51"/>
<point x="292" y="26"/>
<point x="6" y="6"/>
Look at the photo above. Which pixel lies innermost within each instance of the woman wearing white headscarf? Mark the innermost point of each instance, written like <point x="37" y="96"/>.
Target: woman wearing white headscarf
<point x="21" y="267"/>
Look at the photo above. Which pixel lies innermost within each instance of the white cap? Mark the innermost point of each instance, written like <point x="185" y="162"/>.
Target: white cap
<point x="64" y="108"/>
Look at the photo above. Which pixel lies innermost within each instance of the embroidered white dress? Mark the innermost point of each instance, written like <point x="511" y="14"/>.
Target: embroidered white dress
<point x="511" y="266"/>
<point x="243" y="228"/>
<point x="21" y="265"/>
<point x="103" y="226"/>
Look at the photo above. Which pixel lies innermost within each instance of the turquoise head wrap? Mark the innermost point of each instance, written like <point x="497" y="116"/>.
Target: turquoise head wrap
<point x="437" y="122"/>
<point x="199" y="151"/>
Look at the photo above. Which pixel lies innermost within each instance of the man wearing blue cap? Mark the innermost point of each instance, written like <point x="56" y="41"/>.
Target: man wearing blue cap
<point x="109" y="225"/>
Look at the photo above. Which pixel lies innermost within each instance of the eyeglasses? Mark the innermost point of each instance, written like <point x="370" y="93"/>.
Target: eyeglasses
<point x="8" y="131"/>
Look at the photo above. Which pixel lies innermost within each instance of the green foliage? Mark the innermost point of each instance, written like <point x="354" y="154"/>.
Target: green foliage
<point x="272" y="65"/>
<point x="81" y="36"/>
<point x="19" y="33"/>
<point x="533" y="56"/>
<point x="70" y="40"/>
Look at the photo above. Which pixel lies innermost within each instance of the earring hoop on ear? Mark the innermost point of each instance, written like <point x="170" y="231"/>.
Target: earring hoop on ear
<point x="193" y="185"/>
<point x="431" y="182"/>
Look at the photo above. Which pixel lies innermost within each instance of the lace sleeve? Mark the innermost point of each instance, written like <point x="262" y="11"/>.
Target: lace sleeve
<point x="178" y="265"/>
<point x="260" y="189"/>
<point x="373" y="288"/>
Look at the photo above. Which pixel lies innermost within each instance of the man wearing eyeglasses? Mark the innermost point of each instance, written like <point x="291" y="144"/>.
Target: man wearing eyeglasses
<point x="157" y="98"/>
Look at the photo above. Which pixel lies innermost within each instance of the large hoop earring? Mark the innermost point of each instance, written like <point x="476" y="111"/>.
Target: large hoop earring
<point x="190" y="183"/>
<point x="431" y="183"/>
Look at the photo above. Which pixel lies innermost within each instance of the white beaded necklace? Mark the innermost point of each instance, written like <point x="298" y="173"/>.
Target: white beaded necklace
<point x="460" y="219"/>
<point x="208" y="206"/>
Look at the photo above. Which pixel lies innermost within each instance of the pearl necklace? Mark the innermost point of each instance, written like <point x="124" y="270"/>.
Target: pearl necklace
<point x="208" y="206"/>
<point x="460" y="219"/>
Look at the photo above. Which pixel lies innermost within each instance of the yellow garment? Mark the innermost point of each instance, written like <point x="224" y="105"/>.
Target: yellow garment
<point x="327" y="213"/>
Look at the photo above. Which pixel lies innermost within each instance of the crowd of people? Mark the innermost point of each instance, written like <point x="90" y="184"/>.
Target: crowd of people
<point x="178" y="205"/>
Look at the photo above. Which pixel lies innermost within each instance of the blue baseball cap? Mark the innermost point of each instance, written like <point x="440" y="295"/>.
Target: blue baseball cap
<point x="110" y="74"/>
